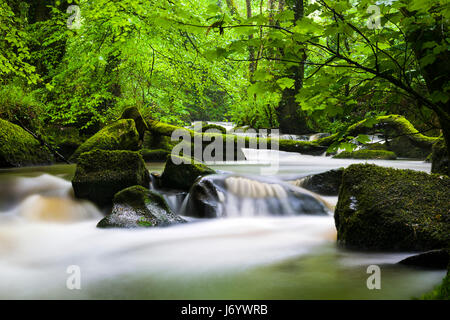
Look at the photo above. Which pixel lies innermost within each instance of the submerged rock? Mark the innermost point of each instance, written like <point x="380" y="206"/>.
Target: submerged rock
<point x="19" y="148"/>
<point x="390" y="209"/>
<point x="232" y="195"/>
<point x="100" y="174"/>
<point x="135" y="114"/>
<point x="440" y="163"/>
<point x="367" y="154"/>
<point x="121" y="135"/>
<point x="325" y="183"/>
<point x="137" y="207"/>
<point x="438" y="259"/>
<point x="181" y="172"/>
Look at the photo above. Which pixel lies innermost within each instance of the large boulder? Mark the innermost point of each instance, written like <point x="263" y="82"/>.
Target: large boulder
<point x="181" y="172"/>
<point x="137" y="207"/>
<point x="325" y="183"/>
<point x="100" y="174"/>
<point x="121" y="135"/>
<point x="388" y="209"/>
<point x="19" y="148"/>
<point x="135" y="114"/>
<point x="440" y="163"/>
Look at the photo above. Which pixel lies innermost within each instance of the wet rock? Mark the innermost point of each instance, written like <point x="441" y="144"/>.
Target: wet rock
<point x="100" y="174"/>
<point x="181" y="172"/>
<point x="437" y="259"/>
<point x="325" y="183"/>
<point x="389" y="209"/>
<point x="137" y="207"/>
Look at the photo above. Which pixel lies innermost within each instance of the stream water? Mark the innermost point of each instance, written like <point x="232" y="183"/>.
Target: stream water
<point x="43" y="231"/>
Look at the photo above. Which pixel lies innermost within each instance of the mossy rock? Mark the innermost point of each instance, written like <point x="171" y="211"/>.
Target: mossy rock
<point x="367" y="154"/>
<point x="325" y="183"/>
<point x="100" y="174"/>
<point x="439" y="162"/>
<point x="121" y="135"/>
<point x="135" y="114"/>
<point x="19" y="148"/>
<point x="182" y="174"/>
<point x="137" y="207"/>
<point x="214" y="128"/>
<point x="403" y="148"/>
<point x="389" y="209"/>
<point x="154" y="155"/>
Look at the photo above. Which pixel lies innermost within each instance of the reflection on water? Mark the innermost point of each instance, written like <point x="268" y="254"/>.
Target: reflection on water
<point x="43" y="230"/>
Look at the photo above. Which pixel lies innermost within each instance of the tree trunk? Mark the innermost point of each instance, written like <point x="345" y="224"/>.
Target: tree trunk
<point x="251" y="49"/>
<point x="290" y="116"/>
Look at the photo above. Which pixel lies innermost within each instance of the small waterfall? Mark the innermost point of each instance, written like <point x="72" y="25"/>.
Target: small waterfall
<point x="242" y="196"/>
<point x="44" y="198"/>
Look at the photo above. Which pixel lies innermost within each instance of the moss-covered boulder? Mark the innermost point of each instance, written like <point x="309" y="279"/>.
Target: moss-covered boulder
<point x="135" y="114"/>
<point x="388" y="209"/>
<point x="367" y="154"/>
<point x="325" y="183"/>
<point x="121" y="135"/>
<point x="137" y="207"/>
<point x="19" y="148"/>
<point x="214" y="128"/>
<point x="154" y="155"/>
<point x="403" y="148"/>
<point x="181" y="172"/>
<point x="439" y="158"/>
<point x="100" y="174"/>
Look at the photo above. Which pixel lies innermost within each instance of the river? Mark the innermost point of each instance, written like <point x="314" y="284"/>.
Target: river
<point x="43" y="231"/>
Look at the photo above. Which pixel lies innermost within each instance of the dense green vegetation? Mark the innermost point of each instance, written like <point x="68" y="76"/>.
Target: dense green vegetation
<point x="301" y="66"/>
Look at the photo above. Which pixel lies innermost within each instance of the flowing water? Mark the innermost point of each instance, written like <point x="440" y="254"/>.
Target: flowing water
<point x="44" y="230"/>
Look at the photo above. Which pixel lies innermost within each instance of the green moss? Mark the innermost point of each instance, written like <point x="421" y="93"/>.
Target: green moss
<point x="100" y="174"/>
<point x="375" y="146"/>
<point x="183" y="174"/>
<point x="139" y="207"/>
<point x="135" y="114"/>
<point x="154" y="155"/>
<point x="121" y="135"/>
<point x="367" y="154"/>
<point x="19" y="148"/>
<point x="390" y="209"/>
<point x="440" y="161"/>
